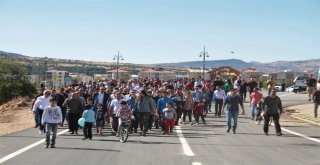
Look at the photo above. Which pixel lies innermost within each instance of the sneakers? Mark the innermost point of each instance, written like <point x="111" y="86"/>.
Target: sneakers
<point x="279" y="134"/>
<point x="163" y="132"/>
<point x="257" y="122"/>
<point x="46" y="146"/>
<point x="234" y="131"/>
<point x="228" y="130"/>
<point x="52" y="146"/>
<point x="84" y="138"/>
<point x="117" y="135"/>
<point x="40" y="132"/>
<point x="266" y="133"/>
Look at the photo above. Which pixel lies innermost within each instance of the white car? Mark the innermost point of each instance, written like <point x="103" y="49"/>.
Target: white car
<point x="278" y="87"/>
<point x="290" y="88"/>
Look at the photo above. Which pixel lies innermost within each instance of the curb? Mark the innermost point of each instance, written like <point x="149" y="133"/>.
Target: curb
<point x="306" y="120"/>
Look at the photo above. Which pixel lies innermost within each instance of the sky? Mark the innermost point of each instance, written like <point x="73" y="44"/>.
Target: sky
<point x="162" y="31"/>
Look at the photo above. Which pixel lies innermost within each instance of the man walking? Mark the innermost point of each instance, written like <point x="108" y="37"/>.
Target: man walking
<point x="311" y="84"/>
<point x="271" y="106"/>
<point x="232" y="102"/>
<point x="218" y="97"/>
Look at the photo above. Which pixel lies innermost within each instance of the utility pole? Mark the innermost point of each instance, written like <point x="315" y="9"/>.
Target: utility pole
<point x="204" y="54"/>
<point x="117" y="57"/>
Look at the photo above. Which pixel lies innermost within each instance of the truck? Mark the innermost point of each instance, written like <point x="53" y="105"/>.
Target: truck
<point x="299" y="84"/>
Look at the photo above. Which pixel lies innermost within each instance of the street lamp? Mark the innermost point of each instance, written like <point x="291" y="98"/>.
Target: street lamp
<point x="117" y="57"/>
<point x="204" y="54"/>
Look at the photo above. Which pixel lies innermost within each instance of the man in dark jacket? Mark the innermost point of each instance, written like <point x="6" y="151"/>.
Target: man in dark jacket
<point x="272" y="107"/>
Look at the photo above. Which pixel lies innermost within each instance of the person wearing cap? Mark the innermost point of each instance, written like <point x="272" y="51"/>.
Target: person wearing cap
<point x="51" y="117"/>
<point x="272" y="107"/>
<point x="38" y="108"/>
<point x="255" y="97"/>
<point x="232" y="102"/>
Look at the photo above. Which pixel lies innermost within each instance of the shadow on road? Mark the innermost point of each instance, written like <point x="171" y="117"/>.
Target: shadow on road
<point x="89" y="149"/>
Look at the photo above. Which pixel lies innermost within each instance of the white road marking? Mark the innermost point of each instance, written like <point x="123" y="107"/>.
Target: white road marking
<point x="27" y="148"/>
<point x="301" y="135"/>
<point x="196" y="163"/>
<point x="185" y="146"/>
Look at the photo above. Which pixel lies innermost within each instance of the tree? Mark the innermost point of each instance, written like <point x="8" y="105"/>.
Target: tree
<point x="14" y="81"/>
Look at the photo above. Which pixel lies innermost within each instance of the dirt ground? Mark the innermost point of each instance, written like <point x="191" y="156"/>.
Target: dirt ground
<point x="16" y="116"/>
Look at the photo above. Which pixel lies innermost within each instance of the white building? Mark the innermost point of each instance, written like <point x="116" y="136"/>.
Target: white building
<point x="157" y="73"/>
<point x="56" y="79"/>
<point x="196" y="73"/>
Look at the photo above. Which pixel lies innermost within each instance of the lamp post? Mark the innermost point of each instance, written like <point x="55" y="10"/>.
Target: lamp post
<point x="204" y="54"/>
<point x="117" y="57"/>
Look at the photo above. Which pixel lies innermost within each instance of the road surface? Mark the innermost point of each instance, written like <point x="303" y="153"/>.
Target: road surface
<point x="190" y="145"/>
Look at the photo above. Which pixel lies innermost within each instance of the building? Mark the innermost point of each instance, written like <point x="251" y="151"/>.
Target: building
<point x="154" y="73"/>
<point x="197" y="72"/>
<point x="251" y="73"/>
<point x="56" y="79"/>
<point x="224" y="72"/>
<point x="122" y="74"/>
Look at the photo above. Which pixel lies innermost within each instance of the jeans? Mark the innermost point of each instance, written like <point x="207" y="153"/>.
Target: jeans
<point x="275" y="118"/>
<point x="187" y="113"/>
<point x="253" y="110"/>
<point x="207" y="105"/>
<point x="234" y="115"/>
<point x="51" y="127"/>
<point x="218" y="106"/>
<point x="179" y="113"/>
<point x="316" y="105"/>
<point x="115" y="123"/>
<point x="39" y="118"/>
<point x="143" y="120"/>
<point x="197" y="116"/>
<point x="87" y="130"/>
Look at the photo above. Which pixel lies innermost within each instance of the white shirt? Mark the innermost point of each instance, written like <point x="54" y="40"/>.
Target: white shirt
<point x="41" y="103"/>
<point x="100" y="98"/>
<point x="51" y="115"/>
<point x="219" y="94"/>
<point x="116" y="105"/>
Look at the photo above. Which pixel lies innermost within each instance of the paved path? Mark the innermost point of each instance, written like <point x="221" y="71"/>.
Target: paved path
<point x="200" y="144"/>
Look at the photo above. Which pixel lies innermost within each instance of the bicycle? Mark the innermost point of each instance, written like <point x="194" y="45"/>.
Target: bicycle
<point x="124" y="132"/>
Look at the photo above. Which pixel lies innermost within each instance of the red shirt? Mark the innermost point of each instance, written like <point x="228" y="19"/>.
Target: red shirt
<point x="256" y="97"/>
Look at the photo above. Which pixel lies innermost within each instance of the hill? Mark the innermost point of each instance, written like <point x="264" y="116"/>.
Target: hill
<point x="278" y="66"/>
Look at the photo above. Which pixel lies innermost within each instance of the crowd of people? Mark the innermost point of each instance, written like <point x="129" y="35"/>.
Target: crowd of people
<point x="151" y="103"/>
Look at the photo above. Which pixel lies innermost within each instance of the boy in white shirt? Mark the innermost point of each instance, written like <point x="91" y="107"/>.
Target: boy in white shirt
<point x="51" y="117"/>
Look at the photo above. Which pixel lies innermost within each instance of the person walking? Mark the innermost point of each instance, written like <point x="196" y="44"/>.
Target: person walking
<point x="38" y="107"/>
<point x="255" y="98"/>
<point x="74" y="109"/>
<point x="311" y="86"/>
<point x="232" y="102"/>
<point x="146" y="107"/>
<point x="272" y="107"/>
<point x="270" y="85"/>
<point x="218" y="96"/>
<point x="51" y="117"/>
<point x="89" y="118"/>
<point x="316" y="101"/>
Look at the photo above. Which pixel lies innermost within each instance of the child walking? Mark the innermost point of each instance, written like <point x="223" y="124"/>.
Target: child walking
<point x="89" y="118"/>
<point x="199" y="112"/>
<point x="99" y="119"/>
<point x="51" y="117"/>
<point x="170" y="117"/>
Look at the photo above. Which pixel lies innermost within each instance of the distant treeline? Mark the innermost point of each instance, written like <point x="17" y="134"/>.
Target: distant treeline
<point x="88" y="70"/>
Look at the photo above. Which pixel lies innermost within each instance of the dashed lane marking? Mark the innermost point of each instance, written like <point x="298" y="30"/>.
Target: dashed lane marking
<point x="185" y="146"/>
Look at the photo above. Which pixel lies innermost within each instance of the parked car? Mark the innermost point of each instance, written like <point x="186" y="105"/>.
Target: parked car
<point x="299" y="84"/>
<point x="278" y="87"/>
<point x="291" y="88"/>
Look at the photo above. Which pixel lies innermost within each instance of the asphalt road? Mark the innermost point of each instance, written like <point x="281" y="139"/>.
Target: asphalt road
<point x="202" y="144"/>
